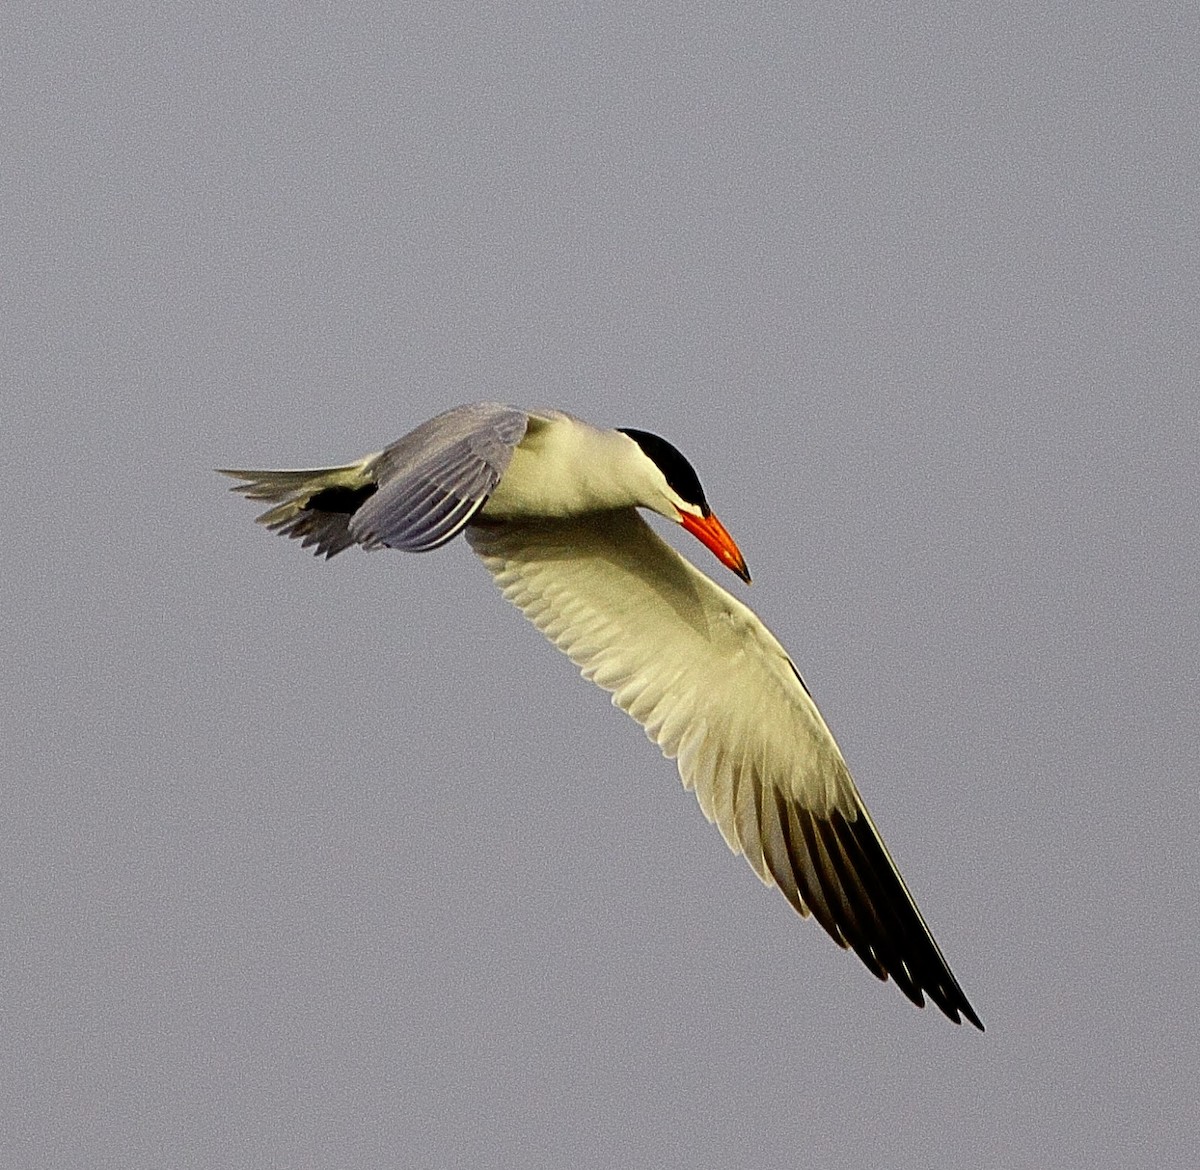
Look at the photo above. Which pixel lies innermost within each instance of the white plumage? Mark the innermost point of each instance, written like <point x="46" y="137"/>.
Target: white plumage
<point x="549" y="503"/>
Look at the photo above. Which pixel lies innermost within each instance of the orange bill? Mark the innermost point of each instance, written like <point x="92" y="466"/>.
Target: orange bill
<point x="711" y="533"/>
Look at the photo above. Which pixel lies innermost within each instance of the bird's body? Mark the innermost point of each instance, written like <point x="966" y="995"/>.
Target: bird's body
<point x="549" y="503"/>
<point x="563" y="467"/>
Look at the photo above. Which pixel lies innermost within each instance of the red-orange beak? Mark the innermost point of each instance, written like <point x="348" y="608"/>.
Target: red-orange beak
<point x="711" y="533"/>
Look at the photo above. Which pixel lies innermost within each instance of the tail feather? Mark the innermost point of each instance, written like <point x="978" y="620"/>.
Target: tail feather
<point x="313" y="506"/>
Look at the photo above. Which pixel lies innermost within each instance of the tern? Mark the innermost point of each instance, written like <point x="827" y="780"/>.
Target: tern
<point x="550" y="504"/>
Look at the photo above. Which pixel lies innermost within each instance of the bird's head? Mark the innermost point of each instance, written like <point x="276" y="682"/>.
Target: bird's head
<point x="680" y="498"/>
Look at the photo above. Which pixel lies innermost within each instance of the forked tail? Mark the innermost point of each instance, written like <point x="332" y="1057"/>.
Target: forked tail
<point x="313" y="506"/>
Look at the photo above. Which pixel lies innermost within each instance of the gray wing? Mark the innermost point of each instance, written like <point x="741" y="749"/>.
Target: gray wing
<point x="432" y="481"/>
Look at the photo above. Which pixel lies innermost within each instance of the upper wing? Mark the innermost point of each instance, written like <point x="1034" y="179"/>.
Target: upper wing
<point x="432" y="481"/>
<point x="714" y="689"/>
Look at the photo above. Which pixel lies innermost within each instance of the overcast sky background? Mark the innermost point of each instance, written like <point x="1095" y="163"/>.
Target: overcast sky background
<point x="310" y="864"/>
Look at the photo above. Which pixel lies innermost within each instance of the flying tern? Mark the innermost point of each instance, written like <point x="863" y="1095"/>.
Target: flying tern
<point x="550" y="505"/>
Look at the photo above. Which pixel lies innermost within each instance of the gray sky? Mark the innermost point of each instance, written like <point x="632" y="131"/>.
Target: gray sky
<point x="340" y="864"/>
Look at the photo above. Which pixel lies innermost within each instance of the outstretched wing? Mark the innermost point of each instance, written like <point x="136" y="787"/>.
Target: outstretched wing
<point x="716" y="691"/>
<point x="432" y="481"/>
